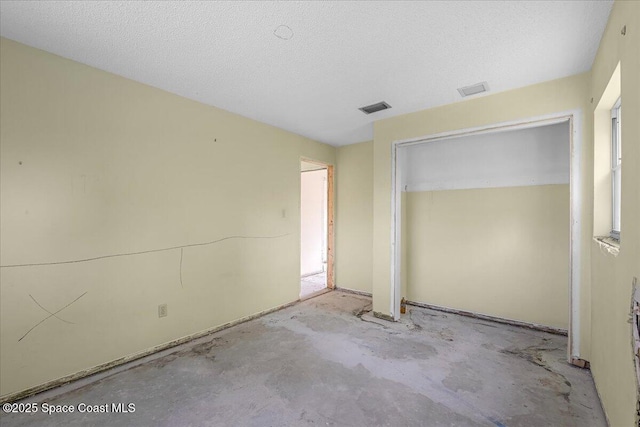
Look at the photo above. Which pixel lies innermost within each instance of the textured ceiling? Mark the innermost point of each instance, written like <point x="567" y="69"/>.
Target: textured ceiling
<point x="307" y="66"/>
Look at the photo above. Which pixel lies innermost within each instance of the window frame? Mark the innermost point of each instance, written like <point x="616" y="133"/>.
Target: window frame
<point x="616" y="168"/>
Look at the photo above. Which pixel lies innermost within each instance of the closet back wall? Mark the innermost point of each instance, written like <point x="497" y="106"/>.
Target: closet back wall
<point x="487" y="224"/>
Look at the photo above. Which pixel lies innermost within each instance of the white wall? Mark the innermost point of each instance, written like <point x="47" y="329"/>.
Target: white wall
<point x="313" y="208"/>
<point x="534" y="156"/>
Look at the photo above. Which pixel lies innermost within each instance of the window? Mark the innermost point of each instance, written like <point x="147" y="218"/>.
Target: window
<point x="616" y="168"/>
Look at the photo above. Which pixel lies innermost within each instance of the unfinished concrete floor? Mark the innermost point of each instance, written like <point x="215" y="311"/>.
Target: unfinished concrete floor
<point x="310" y="285"/>
<point x="326" y="361"/>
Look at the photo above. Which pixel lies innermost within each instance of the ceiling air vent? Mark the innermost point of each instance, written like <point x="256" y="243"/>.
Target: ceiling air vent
<point x="473" y="89"/>
<point x="373" y="108"/>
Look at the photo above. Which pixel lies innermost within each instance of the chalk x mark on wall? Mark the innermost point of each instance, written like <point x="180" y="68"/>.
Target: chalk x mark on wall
<point x="141" y="252"/>
<point x="53" y="314"/>
<point x="50" y="314"/>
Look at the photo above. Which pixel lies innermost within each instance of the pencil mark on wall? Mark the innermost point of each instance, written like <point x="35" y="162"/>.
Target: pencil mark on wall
<point x="50" y="315"/>
<point x="181" y="256"/>
<point x="213" y="242"/>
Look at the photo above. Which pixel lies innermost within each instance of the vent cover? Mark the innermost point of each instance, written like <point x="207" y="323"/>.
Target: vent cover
<point x="373" y="108"/>
<point x="473" y="89"/>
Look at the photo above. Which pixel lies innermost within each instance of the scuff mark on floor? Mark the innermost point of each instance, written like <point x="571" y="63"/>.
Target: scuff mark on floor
<point x="533" y="354"/>
<point x="362" y="314"/>
<point x="414" y="326"/>
<point x="320" y="362"/>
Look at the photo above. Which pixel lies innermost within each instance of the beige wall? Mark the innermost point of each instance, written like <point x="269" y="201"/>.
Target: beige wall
<point x="93" y="164"/>
<point x="606" y="281"/>
<point x="498" y="251"/>
<point x="612" y="276"/>
<point x="354" y="219"/>
<point x="112" y="166"/>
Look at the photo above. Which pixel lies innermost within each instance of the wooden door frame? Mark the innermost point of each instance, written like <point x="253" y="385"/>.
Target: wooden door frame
<point x="330" y="219"/>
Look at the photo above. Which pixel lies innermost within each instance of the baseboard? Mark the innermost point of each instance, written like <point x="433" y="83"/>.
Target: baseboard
<point x="535" y="326"/>
<point x="134" y="359"/>
<point x="580" y="363"/>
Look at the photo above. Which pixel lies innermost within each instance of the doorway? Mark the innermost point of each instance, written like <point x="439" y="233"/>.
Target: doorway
<point x="316" y="228"/>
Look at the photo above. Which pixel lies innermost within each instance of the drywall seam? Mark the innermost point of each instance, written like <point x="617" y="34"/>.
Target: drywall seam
<point x="505" y="321"/>
<point x="137" y="358"/>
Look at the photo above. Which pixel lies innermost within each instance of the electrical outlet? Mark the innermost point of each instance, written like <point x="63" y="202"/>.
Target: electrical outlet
<point x="162" y="310"/>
